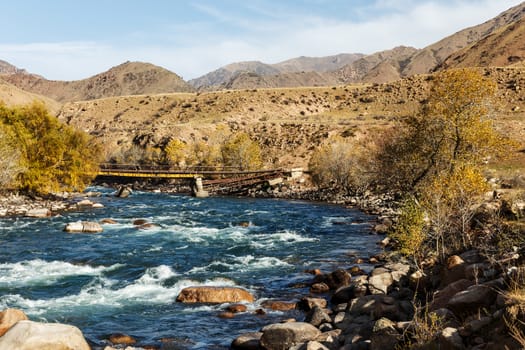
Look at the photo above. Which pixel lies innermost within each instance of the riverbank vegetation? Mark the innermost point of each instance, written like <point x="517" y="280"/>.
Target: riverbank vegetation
<point x="40" y="155"/>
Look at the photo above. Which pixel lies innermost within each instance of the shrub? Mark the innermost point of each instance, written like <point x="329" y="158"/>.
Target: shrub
<point x="240" y="151"/>
<point x="409" y="230"/>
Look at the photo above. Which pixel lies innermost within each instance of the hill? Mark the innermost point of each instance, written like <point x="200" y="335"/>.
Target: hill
<point x="13" y="96"/>
<point x="288" y="122"/>
<point x="129" y="78"/>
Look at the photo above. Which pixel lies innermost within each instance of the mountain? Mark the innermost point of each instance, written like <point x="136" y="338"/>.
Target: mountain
<point x="129" y="78"/>
<point x="226" y="75"/>
<point x="8" y="68"/>
<point x="428" y="58"/>
<point x="380" y="67"/>
<point x="317" y="64"/>
<point x="247" y="80"/>
<point x="504" y="47"/>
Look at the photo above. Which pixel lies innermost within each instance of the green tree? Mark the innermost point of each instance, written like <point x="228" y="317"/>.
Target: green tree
<point x="54" y="156"/>
<point x="240" y="151"/>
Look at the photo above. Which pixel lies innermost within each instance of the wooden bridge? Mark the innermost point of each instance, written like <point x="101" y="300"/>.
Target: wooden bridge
<point x="213" y="179"/>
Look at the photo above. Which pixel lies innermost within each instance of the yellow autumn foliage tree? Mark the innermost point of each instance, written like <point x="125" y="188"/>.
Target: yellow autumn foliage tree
<point x="53" y="155"/>
<point x="438" y="155"/>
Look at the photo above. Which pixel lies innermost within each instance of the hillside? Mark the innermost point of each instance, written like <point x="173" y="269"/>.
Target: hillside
<point x="504" y="47"/>
<point x="13" y="96"/>
<point x="130" y="78"/>
<point x="288" y="122"/>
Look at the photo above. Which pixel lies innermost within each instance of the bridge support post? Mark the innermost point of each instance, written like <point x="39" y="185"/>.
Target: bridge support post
<point x="198" y="189"/>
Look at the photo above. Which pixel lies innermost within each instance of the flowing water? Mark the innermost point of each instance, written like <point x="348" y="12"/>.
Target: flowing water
<point x="126" y="280"/>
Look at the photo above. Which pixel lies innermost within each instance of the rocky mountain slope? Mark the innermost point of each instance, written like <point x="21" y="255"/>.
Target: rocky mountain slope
<point x="8" y="68"/>
<point x="129" y="78"/>
<point x="225" y="76"/>
<point x="379" y="67"/>
<point x="504" y="47"/>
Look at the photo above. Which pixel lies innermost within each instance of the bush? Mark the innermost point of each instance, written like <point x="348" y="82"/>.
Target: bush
<point x="342" y="164"/>
<point x="409" y="230"/>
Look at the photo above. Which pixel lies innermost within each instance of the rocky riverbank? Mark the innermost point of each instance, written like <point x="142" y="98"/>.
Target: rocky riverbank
<point x="17" y="204"/>
<point x="388" y="308"/>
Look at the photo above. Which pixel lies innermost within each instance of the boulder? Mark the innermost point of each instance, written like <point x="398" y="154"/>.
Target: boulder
<point x="247" y="341"/>
<point x="29" y="335"/>
<point x="380" y="283"/>
<point x="450" y="339"/>
<point x="83" y="227"/>
<point x="236" y="308"/>
<point x="214" y="295"/>
<point x="441" y="297"/>
<point x="10" y="317"/>
<point x="385" y="335"/>
<point x="319" y="288"/>
<point x="472" y="299"/>
<point x="308" y="303"/>
<point x="282" y="336"/>
<point x="278" y="305"/>
<point x="338" y="279"/>
<point x="121" y="339"/>
<point x="318" y="316"/>
<point x="38" y="213"/>
<point x="123" y="192"/>
<point x="108" y="221"/>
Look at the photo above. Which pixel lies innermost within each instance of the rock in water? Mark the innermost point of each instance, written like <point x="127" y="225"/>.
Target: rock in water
<point x="214" y="295"/>
<point x="29" y="335"/>
<point x="38" y="213"/>
<point x="124" y="192"/>
<point x="83" y="227"/>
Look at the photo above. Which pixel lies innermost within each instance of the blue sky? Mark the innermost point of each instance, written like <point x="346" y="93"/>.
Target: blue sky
<point x="74" y="39"/>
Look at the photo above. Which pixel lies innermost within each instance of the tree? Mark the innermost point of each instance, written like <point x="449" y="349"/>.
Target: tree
<point x="240" y="151"/>
<point x="453" y="128"/>
<point x="54" y="156"/>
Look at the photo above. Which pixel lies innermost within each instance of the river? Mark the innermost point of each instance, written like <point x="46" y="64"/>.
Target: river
<point x="126" y="280"/>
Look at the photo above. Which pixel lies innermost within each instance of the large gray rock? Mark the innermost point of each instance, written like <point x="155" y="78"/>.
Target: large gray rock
<point x="282" y="336"/>
<point x="385" y="335"/>
<point x="29" y="335"/>
<point x="83" y="227"/>
<point x="472" y="299"/>
<point x="380" y="283"/>
<point x="247" y="341"/>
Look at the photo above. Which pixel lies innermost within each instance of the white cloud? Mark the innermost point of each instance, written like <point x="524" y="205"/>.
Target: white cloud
<point x="193" y="50"/>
